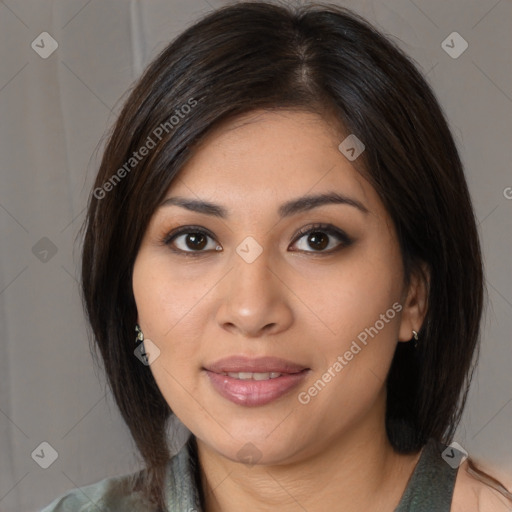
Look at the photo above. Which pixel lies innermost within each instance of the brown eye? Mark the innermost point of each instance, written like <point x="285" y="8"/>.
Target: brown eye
<point x="196" y="241"/>
<point x="318" y="240"/>
<point x="321" y="238"/>
<point x="190" y="240"/>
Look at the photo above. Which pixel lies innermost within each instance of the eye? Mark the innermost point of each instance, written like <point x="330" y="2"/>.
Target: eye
<point x="322" y="238"/>
<point x="319" y="238"/>
<point x="191" y="239"/>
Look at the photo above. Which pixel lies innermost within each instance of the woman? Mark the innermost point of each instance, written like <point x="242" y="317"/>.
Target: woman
<point x="282" y="216"/>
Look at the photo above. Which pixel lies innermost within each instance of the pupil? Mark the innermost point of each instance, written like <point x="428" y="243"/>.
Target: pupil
<point x="195" y="241"/>
<point x="318" y="240"/>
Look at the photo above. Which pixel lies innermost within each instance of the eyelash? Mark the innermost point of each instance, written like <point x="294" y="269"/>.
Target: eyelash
<point x="328" y="229"/>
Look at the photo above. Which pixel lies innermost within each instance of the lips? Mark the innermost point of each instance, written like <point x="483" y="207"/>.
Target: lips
<point x="254" y="382"/>
<point x="241" y="364"/>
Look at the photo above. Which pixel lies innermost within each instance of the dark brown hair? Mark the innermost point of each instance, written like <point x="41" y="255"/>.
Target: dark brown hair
<point x="319" y="58"/>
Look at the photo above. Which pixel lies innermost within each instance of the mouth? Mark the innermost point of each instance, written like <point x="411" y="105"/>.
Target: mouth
<point x="254" y="382"/>
<point x="253" y="375"/>
<point x="258" y="365"/>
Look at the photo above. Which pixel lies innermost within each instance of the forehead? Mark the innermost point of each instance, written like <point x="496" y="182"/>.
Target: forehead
<point x="271" y="155"/>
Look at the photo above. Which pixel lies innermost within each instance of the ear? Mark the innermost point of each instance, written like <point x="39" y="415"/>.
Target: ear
<point x="415" y="303"/>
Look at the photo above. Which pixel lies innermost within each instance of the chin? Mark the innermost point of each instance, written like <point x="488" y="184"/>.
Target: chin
<point x="254" y="449"/>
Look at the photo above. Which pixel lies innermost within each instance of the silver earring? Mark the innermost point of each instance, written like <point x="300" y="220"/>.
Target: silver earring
<point x="416" y="338"/>
<point x="140" y="335"/>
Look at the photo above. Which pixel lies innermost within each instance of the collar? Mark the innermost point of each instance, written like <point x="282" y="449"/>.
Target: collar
<point x="181" y="491"/>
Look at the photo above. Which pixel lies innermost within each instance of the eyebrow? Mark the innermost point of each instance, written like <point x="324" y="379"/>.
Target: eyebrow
<point x="292" y="207"/>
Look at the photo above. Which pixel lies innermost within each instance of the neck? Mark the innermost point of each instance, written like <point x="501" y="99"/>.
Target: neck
<point x="358" y="470"/>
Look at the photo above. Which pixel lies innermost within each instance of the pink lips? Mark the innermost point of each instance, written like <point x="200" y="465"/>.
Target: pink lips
<point x="254" y="392"/>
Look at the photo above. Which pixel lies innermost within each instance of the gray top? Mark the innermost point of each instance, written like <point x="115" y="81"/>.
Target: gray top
<point x="430" y="487"/>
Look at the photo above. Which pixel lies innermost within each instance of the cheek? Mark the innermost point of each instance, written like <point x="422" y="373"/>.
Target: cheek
<point x="167" y="307"/>
<point x="172" y="307"/>
<point x="344" y="299"/>
<point x="167" y="297"/>
<point x="359" y="311"/>
<point x="353" y="364"/>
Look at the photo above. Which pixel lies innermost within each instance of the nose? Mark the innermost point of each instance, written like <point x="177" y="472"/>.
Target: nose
<point x="254" y="299"/>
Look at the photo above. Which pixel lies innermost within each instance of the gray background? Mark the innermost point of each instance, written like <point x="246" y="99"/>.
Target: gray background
<point x="54" y="112"/>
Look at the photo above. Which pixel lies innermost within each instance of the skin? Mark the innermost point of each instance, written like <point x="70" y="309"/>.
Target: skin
<point x="472" y="495"/>
<point x="292" y="302"/>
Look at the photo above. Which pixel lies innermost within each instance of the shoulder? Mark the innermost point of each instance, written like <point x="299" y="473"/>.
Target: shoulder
<point x="114" y="494"/>
<point x="473" y="493"/>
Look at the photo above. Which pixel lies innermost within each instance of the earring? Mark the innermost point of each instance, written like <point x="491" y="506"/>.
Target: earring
<point x="416" y="338"/>
<point x="140" y="335"/>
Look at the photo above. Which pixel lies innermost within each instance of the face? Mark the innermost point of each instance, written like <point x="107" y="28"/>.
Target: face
<point x="238" y="265"/>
